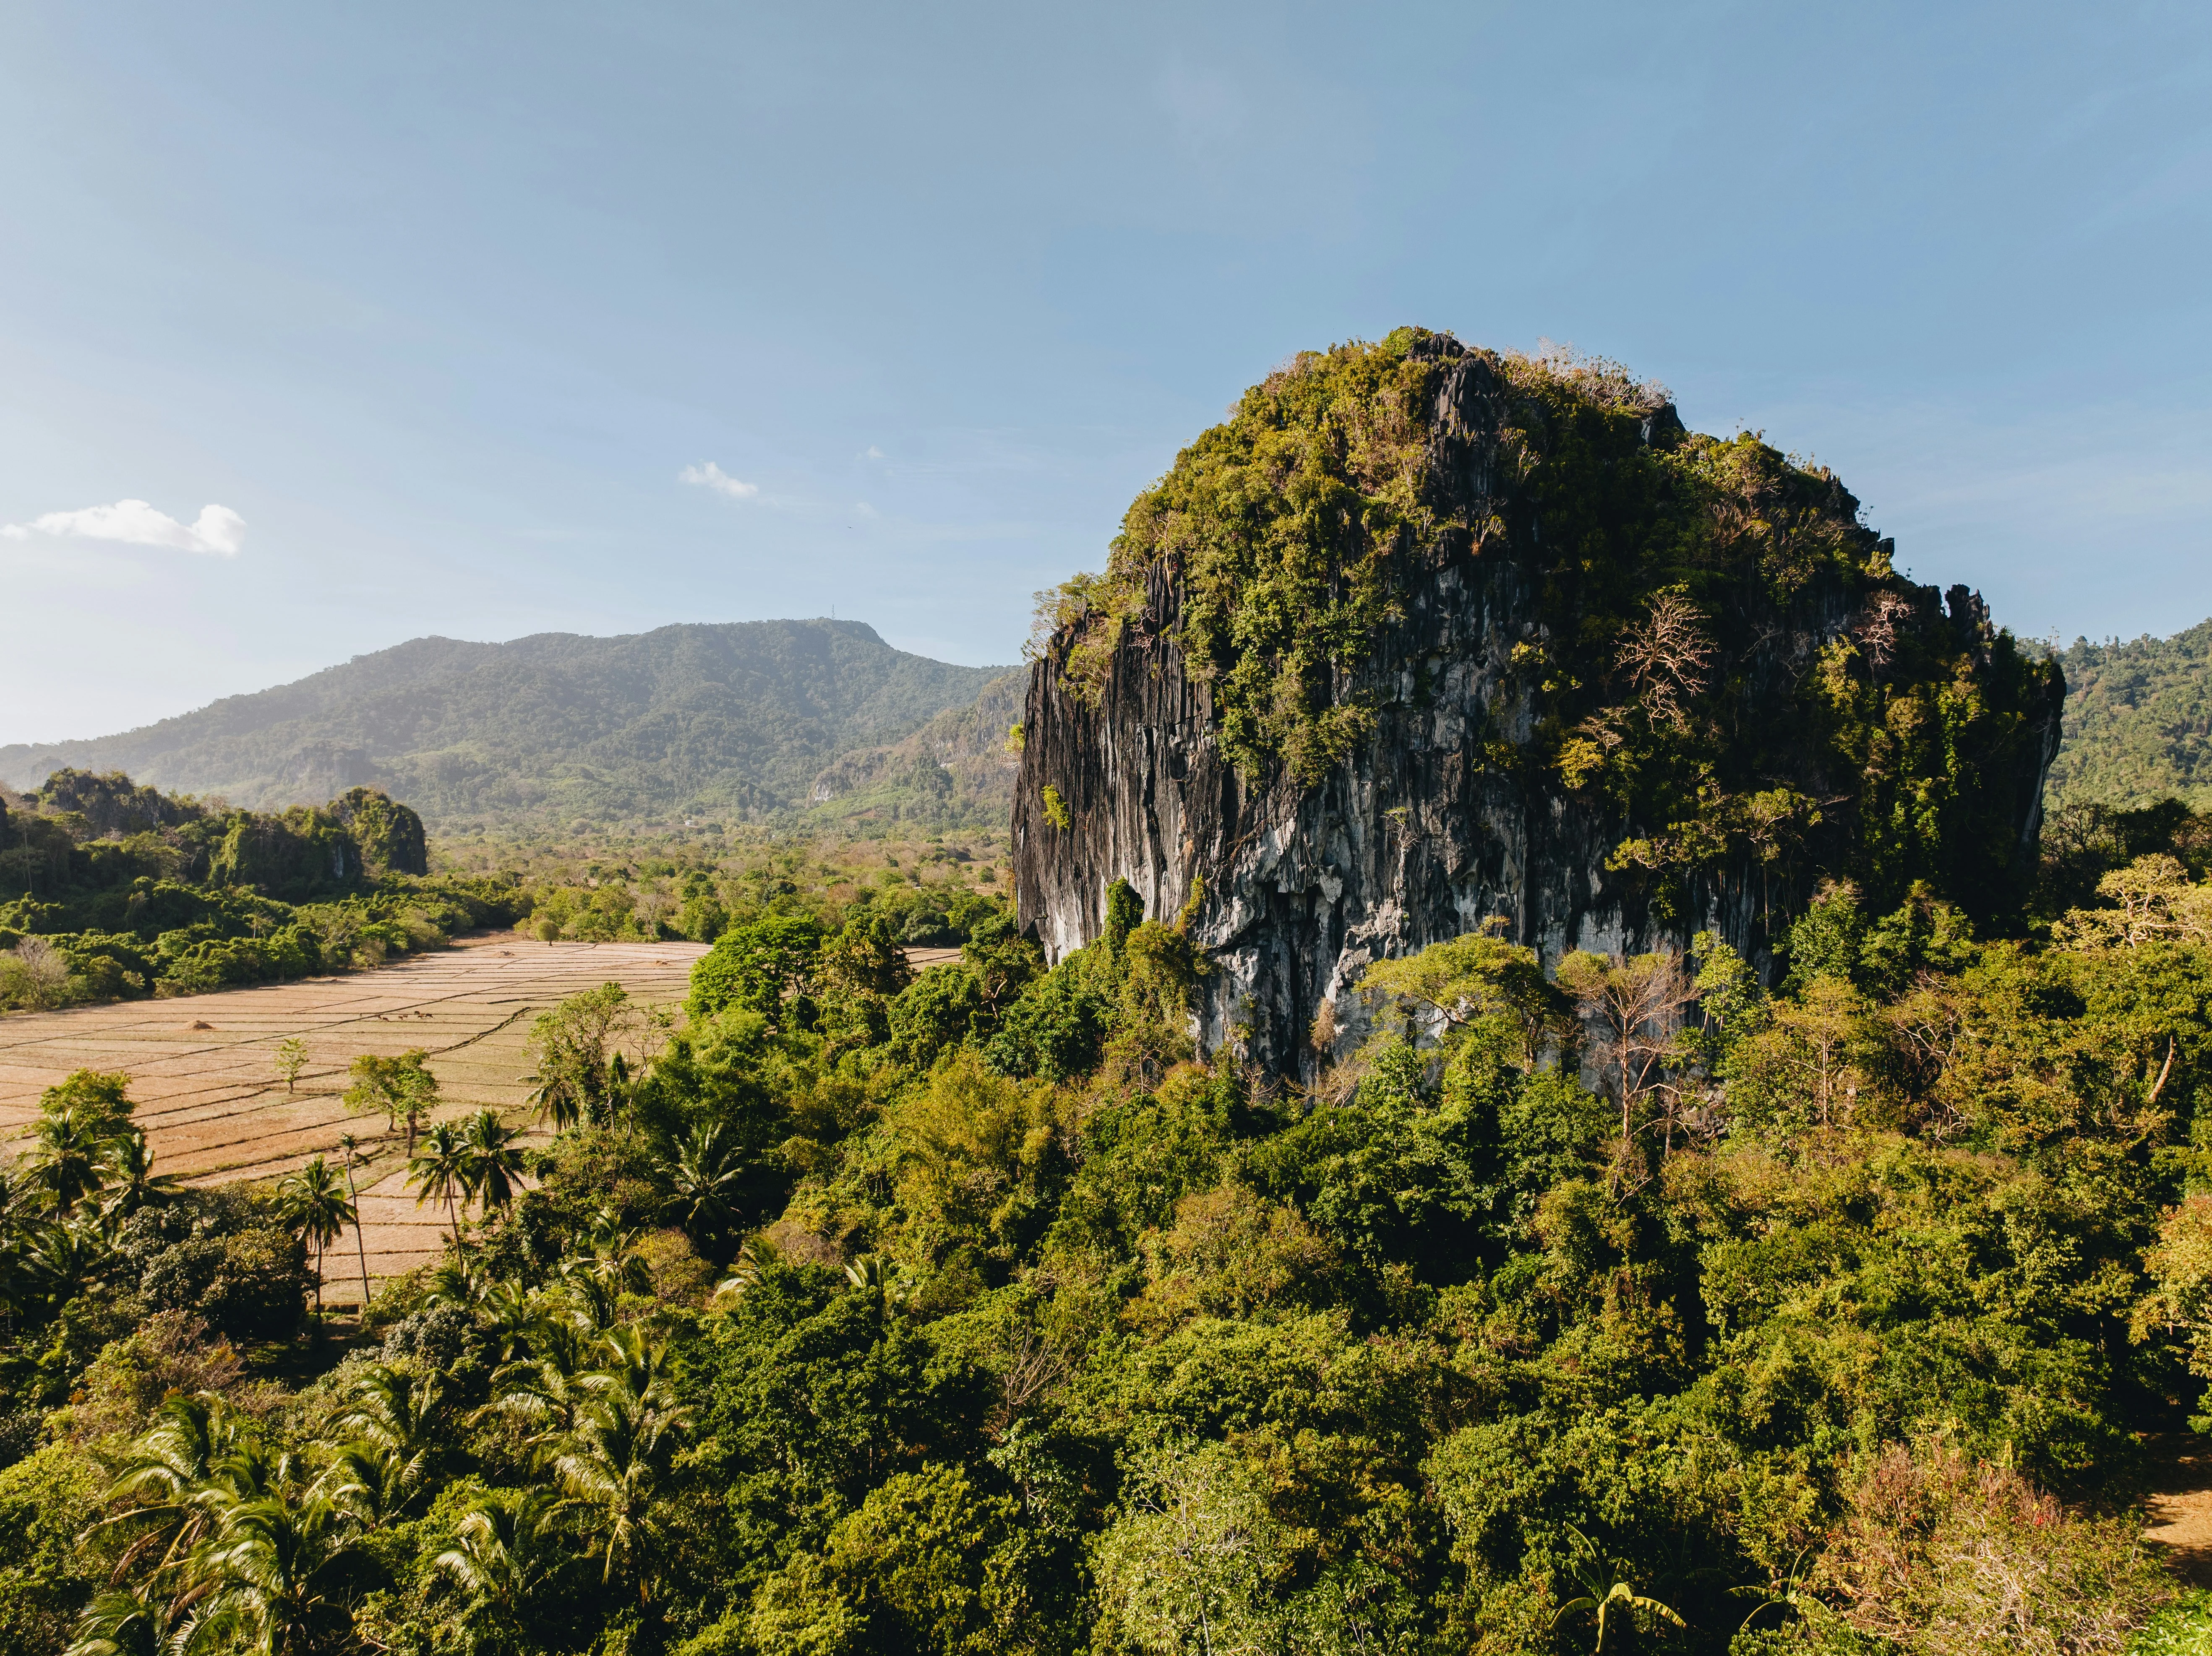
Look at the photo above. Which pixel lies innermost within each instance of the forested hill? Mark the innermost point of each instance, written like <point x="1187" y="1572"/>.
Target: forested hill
<point x="737" y="716"/>
<point x="2138" y="721"/>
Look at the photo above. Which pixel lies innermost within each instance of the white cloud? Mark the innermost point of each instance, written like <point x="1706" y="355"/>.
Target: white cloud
<point x="218" y="531"/>
<point x="874" y="453"/>
<point x="710" y="475"/>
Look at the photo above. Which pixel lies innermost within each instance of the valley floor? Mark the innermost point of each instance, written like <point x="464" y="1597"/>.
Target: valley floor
<point x="203" y="1071"/>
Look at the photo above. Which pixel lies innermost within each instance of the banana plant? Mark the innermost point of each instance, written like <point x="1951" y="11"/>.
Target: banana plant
<point x="1607" y="1593"/>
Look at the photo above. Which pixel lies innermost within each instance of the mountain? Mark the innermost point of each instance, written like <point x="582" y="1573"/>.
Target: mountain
<point x="732" y="718"/>
<point x="2138" y="721"/>
<point x="957" y="769"/>
<point x="1427" y="639"/>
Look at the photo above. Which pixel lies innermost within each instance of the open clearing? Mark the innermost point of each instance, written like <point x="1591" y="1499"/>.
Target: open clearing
<point x="202" y="1067"/>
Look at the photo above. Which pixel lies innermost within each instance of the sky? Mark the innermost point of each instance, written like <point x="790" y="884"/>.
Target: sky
<point x="324" y="327"/>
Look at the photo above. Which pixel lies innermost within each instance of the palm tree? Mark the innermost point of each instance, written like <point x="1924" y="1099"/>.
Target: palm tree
<point x="441" y="1173"/>
<point x="370" y="1482"/>
<point x="351" y="1146"/>
<point x="495" y="1163"/>
<point x="625" y="1435"/>
<point x="1606" y="1592"/>
<point x="168" y="1473"/>
<point x="266" y="1574"/>
<point x="130" y="1182"/>
<point x="123" y="1622"/>
<point x="554" y="1094"/>
<point x="502" y="1552"/>
<point x="69" y="1153"/>
<point x="705" y="1178"/>
<point x="394" y="1409"/>
<point x="317" y="1211"/>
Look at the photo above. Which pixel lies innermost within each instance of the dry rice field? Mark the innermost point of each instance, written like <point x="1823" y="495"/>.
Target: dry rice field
<point x="202" y="1066"/>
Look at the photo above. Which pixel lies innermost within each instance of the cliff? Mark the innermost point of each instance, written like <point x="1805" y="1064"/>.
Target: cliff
<point x="1424" y="639"/>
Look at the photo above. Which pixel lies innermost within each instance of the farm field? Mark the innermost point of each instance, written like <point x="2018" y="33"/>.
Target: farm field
<point x="202" y="1066"/>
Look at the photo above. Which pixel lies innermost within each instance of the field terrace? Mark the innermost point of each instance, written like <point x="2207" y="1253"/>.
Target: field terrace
<point x="202" y="1067"/>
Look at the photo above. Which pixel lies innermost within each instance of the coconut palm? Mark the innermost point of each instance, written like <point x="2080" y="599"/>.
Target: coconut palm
<point x="392" y="1410"/>
<point x="169" y="1474"/>
<point x="123" y="1622"/>
<point x="626" y="1434"/>
<point x="494" y="1162"/>
<point x="705" y="1178"/>
<point x="555" y="1095"/>
<point x="129" y="1182"/>
<point x="441" y="1173"/>
<point x="351" y="1146"/>
<point x="317" y="1210"/>
<point x="268" y="1574"/>
<point x="502" y="1552"/>
<point x="68" y="1154"/>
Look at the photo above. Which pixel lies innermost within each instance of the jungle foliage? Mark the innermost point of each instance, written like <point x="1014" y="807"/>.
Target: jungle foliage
<point x="2138" y="721"/>
<point x="114" y="890"/>
<point x="974" y="1310"/>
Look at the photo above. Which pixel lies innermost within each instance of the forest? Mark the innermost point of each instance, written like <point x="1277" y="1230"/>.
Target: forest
<point x="116" y="891"/>
<point x="1624" y="1302"/>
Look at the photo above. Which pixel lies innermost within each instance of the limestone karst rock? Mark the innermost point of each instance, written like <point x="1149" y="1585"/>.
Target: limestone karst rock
<point x="1425" y="638"/>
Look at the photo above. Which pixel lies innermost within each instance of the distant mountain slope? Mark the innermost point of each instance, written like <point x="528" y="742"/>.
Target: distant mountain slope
<point x="2138" y="721"/>
<point x="955" y="771"/>
<point x="722" y="719"/>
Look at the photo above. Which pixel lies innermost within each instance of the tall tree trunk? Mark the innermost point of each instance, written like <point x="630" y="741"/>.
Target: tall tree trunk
<point x="360" y="1245"/>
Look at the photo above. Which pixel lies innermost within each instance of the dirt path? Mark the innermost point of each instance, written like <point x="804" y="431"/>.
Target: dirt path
<point x="202" y="1066"/>
<point x="2177" y="1501"/>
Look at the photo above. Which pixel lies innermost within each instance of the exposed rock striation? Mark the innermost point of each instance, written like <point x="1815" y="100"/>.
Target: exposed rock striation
<point x="1621" y="684"/>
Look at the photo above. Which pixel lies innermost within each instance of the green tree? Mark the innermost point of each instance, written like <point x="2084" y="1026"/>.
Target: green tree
<point x="504" y="1551"/>
<point x="928" y="1564"/>
<point x="441" y="1173"/>
<point x="400" y="1088"/>
<point x="576" y="1045"/>
<point x="351" y="1147"/>
<point x="494" y="1170"/>
<point x="766" y="966"/>
<point x="1190" y="1564"/>
<point x="317" y="1211"/>
<point x="291" y="1058"/>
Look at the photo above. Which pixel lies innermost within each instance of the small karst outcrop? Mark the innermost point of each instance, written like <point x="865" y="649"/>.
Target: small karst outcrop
<point x="1425" y="638"/>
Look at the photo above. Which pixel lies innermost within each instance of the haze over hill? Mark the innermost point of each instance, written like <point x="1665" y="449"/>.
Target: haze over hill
<point x="723" y="719"/>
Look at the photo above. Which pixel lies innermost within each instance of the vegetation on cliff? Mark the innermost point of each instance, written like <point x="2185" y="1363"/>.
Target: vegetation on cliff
<point x="1718" y="652"/>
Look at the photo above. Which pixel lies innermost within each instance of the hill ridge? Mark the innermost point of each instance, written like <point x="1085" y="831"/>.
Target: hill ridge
<point x="718" y="717"/>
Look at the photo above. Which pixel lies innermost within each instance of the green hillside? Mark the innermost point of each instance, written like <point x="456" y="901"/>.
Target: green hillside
<point x="2138" y="721"/>
<point x="730" y="719"/>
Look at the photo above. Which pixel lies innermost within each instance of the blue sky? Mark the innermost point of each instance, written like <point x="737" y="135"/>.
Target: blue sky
<point x="442" y="305"/>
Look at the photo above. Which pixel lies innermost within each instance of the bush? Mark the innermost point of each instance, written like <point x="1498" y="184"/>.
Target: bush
<point x="1952" y="1556"/>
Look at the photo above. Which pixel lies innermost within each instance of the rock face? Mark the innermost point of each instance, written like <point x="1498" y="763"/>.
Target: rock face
<point x="1453" y="811"/>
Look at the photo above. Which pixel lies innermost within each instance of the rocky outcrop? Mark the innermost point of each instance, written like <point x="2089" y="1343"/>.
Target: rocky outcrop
<point x="1453" y="811"/>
